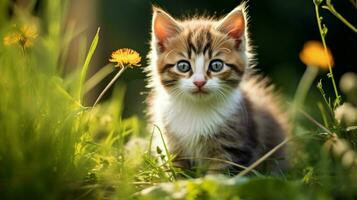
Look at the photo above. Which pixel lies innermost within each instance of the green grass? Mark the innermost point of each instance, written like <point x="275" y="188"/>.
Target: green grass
<point x="53" y="147"/>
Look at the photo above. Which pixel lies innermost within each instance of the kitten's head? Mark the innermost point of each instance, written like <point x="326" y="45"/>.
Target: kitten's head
<point x="199" y="58"/>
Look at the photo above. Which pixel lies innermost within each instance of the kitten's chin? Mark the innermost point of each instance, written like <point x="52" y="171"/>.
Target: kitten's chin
<point x="201" y="96"/>
<point x="200" y="92"/>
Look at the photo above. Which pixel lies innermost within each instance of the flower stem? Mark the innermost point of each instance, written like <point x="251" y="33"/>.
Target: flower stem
<point x="332" y="9"/>
<point x="322" y="34"/>
<point x="304" y="85"/>
<point x="109" y="85"/>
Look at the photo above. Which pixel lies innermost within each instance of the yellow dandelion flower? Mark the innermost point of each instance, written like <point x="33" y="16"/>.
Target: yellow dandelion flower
<point x="125" y="56"/>
<point x="11" y="39"/>
<point x="29" y="33"/>
<point x="313" y="54"/>
<point x="24" y="36"/>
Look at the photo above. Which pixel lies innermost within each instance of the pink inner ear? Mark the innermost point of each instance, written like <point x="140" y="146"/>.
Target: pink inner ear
<point x="161" y="35"/>
<point x="164" y="27"/>
<point x="234" y="25"/>
<point x="236" y="29"/>
<point x="160" y="31"/>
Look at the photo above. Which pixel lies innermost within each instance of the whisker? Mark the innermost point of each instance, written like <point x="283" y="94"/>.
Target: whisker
<point x="169" y="82"/>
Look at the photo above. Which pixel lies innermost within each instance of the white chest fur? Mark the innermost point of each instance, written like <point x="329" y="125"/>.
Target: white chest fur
<point x="191" y="120"/>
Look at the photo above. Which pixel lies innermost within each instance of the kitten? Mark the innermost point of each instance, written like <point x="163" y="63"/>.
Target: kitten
<point x="204" y="97"/>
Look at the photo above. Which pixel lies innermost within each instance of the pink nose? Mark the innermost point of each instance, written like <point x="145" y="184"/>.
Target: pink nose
<point x="200" y="83"/>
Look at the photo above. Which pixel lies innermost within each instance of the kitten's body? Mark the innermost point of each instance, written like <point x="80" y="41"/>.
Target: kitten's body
<point x="233" y="116"/>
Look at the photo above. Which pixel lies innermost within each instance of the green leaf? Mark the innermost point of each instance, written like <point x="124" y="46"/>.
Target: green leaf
<point x="84" y="71"/>
<point x="158" y="150"/>
<point x="324" y="29"/>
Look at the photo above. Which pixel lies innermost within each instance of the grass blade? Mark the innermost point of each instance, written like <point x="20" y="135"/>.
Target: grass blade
<point x="84" y="71"/>
<point x="98" y="77"/>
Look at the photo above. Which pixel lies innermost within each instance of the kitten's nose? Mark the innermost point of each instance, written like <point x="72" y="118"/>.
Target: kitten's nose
<point x="199" y="83"/>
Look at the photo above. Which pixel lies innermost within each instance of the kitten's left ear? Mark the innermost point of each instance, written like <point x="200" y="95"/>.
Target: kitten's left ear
<point x="234" y="24"/>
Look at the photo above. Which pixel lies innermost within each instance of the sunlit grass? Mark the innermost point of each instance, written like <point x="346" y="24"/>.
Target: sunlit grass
<point x="52" y="146"/>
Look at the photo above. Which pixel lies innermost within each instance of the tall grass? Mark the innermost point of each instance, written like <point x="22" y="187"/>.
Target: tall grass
<point x="51" y="146"/>
<point x="54" y="147"/>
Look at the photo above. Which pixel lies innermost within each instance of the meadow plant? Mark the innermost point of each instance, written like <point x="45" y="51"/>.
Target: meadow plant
<point x="52" y="146"/>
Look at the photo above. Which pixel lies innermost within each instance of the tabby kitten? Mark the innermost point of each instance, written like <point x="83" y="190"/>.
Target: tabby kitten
<point x="203" y="96"/>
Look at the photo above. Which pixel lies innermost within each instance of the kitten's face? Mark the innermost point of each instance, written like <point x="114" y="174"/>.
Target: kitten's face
<point x="200" y="59"/>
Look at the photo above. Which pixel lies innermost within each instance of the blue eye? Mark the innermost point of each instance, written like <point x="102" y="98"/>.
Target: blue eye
<point x="183" y="66"/>
<point x="216" y="65"/>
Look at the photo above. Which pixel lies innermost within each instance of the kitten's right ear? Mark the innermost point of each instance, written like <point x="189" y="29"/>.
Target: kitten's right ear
<point x="234" y="24"/>
<point x="163" y="27"/>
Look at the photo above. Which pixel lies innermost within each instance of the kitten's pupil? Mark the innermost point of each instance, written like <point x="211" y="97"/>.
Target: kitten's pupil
<point x="183" y="66"/>
<point x="216" y="65"/>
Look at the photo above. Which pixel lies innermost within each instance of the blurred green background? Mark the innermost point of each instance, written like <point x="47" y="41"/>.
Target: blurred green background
<point x="53" y="147"/>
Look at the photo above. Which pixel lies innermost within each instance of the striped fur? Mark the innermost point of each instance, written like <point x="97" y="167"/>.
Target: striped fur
<point x="234" y="116"/>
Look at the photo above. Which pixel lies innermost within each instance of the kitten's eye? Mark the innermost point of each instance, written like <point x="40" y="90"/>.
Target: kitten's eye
<point x="216" y="65"/>
<point x="183" y="66"/>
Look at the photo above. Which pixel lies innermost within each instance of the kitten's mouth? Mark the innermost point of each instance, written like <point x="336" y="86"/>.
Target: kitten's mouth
<point x="199" y="92"/>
